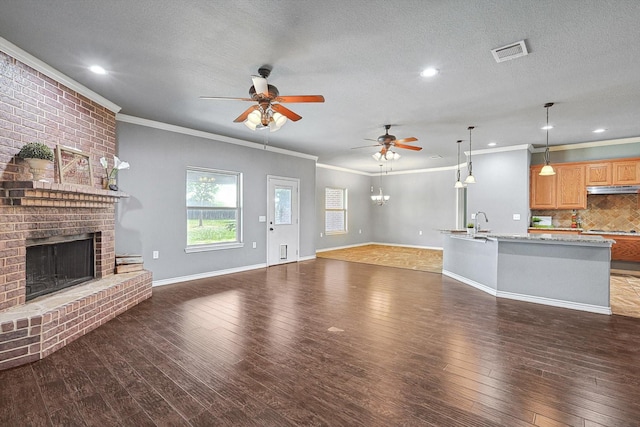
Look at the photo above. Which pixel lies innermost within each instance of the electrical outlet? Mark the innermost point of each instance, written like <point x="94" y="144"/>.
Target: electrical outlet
<point x="255" y="245"/>
<point x="320" y="234"/>
<point x="516" y="217"/>
<point x="156" y="254"/>
<point x="359" y="231"/>
<point x="473" y="216"/>
<point x="420" y="233"/>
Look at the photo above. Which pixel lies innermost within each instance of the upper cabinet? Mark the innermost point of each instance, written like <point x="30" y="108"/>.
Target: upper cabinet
<point x="564" y="190"/>
<point x="626" y="172"/>
<point x="599" y="173"/>
<point x="567" y="189"/>
<point x="543" y="190"/>
<point x="572" y="190"/>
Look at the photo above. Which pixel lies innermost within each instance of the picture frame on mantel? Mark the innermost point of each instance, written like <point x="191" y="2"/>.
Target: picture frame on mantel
<point x="74" y="167"/>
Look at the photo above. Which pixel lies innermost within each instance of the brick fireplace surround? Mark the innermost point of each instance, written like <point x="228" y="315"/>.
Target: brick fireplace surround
<point x="35" y="107"/>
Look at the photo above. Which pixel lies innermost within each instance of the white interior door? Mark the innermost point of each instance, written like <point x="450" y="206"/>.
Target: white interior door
<point x="283" y="232"/>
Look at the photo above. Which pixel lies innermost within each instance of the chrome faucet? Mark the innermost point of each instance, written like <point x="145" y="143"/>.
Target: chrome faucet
<point x="485" y="220"/>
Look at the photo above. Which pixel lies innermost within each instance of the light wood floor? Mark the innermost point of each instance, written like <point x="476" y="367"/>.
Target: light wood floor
<point x="625" y="289"/>
<point x="333" y="343"/>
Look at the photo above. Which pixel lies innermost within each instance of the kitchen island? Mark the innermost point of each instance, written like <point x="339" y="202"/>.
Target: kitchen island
<point x="570" y="271"/>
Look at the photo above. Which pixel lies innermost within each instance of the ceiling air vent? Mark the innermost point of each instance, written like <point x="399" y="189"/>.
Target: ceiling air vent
<point x="510" y="51"/>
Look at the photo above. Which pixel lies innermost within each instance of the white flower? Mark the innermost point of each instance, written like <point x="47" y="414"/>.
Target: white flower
<point x="117" y="165"/>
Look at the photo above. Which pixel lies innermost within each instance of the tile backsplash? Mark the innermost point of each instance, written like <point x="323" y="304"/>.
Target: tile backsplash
<point x="604" y="212"/>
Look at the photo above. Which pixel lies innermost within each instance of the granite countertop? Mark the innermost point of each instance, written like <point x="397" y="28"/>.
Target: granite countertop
<point x="556" y="228"/>
<point x="611" y="233"/>
<point x="540" y="237"/>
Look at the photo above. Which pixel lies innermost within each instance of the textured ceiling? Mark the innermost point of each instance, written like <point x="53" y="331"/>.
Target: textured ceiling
<point x="365" y="57"/>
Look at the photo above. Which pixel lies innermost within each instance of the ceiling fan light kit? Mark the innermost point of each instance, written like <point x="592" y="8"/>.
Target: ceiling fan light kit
<point x="547" y="169"/>
<point x="470" y="179"/>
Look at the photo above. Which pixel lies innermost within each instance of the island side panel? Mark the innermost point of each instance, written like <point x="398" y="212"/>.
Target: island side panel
<point x="472" y="261"/>
<point x="570" y="273"/>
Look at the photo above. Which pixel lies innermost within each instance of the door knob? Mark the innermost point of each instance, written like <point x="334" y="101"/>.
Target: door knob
<point x="270" y="228"/>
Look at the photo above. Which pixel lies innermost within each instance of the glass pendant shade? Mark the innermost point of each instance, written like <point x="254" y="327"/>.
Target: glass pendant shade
<point x="458" y="184"/>
<point x="470" y="179"/>
<point x="547" y="170"/>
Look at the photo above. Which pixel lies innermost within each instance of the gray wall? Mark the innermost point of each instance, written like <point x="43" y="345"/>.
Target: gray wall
<point x="619" y="151"/>
<point x="423" y="201"/>
<point x="358" y="208"/>
<point x="502" y="189"/>
<point x="154" y="217"/>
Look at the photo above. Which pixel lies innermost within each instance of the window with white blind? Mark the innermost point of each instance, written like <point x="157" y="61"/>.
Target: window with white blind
<point x="335" y="210"/>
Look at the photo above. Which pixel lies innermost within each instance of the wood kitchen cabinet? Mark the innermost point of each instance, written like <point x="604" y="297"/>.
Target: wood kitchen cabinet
<point x="626" y="248"/>
<point x="572" y="190"/>
<point x="564" y="190"/>
<point x="599" y="173"/>
<point x="542" y="192"/>
<point x="626" y="172"/>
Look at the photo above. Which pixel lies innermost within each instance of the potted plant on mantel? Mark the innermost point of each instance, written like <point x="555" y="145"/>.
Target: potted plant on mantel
<point x="38" y="156"/>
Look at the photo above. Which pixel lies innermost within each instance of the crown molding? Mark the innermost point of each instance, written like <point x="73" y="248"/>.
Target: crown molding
<point x="341" y="169"/>
<point x="500" y="149"/>
<point x="26" y="58"/>
<point x="208" y="135"/>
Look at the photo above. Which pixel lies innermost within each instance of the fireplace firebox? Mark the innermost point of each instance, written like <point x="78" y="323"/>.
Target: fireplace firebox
<point x="59" y="262"/>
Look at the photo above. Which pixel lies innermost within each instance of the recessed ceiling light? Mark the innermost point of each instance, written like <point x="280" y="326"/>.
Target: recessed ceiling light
<point x="429" y="72"/>
<point x="600" y="130"/>
<point x="492" y="144"/>
<point x="98" y="69"/>
<point x="546" y="127"/>
<point x="436" y="156"/>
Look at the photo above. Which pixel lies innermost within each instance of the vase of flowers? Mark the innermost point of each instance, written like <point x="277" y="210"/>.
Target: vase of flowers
<point x="38" y="156"/>
<point x="109" y="181"/>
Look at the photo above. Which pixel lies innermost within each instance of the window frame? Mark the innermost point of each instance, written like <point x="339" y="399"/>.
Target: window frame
<point x="344" y="209"/>
<point x="239" y="242"/>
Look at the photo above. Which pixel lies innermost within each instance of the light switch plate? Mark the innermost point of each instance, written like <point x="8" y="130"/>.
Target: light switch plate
<point x="262" y="218"/>
<point x="516" y="217"/>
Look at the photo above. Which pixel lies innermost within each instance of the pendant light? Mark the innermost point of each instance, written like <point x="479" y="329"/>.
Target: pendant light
<point x="380" y="199"/>
<point x="470" y="179"/>
<point x="459" y="183"/>
<point x="547" y="169"/>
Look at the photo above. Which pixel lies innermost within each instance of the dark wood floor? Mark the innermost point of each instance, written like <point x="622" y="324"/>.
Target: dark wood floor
<point x="328" y="342"/>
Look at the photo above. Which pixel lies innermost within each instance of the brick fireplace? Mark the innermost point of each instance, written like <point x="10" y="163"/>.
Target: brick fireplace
<point x="35" y="107"/>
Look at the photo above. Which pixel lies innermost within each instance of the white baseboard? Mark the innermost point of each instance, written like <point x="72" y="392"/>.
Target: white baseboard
<point x="529" y="298"/>
<point x="335" y="248"/>
<point x="208" y="274"/>
<point x="477" y="285"/>
<point x="556" y="303"/>
<point x="306" y="258"/>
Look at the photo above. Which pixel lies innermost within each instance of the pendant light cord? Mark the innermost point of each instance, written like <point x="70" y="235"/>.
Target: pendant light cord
<point x="547" y="157"/>
<point x="470" y="162"/>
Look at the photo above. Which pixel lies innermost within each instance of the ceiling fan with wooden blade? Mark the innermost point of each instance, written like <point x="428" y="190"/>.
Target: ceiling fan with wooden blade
<point x="268" y="111"/>
<point x="387" y="141"/>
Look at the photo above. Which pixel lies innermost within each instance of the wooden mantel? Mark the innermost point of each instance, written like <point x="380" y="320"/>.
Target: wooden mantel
<point x="50" y="194"/>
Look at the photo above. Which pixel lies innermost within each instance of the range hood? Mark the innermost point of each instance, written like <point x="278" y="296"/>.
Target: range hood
<point x="614" y="189"/>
